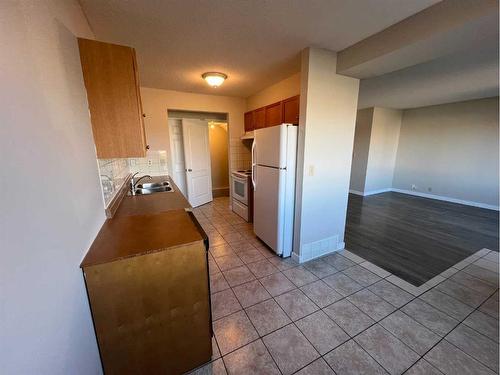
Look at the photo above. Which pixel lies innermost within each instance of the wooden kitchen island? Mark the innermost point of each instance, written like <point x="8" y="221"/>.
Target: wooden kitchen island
<point x="147" y="281"/>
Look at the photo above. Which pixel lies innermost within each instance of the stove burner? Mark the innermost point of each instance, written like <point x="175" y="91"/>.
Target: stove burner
<point x="245" y="172"/>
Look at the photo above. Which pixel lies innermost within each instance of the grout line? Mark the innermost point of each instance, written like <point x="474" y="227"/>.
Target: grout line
<point x="458" y="324"/>
<point x="463" y="286"/>
<point x="414" y="298"/>
<point x="375" y="322"/>
<point x="348" y="335"/>
<point x="454" y="327"/>
<point x="260" y="338"/>
<point x="430" y="364"/>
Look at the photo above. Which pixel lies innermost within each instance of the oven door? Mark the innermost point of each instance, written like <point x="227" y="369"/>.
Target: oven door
<point x="240" y="189"/>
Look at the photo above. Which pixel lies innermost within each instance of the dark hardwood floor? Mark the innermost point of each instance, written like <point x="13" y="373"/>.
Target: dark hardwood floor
<point x="417" y="238"/>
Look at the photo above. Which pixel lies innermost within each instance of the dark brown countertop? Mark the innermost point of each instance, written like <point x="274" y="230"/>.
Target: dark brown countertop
<point x="127" y="236"/>
<point x="153" y="203"/>
<point x="144" y="224"/>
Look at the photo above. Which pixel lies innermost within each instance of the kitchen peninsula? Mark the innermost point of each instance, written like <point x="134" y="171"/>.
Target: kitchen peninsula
<point x="146" y="275"/>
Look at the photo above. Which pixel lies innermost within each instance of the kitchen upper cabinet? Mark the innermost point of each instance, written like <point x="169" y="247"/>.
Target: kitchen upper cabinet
<point x="111" y="78"/>
<point x="274" y="114"/>
<point x="285" y="111"/>
<point x="259" y="118"/>
<point x="291" y="110"/>
<point x="249" y="121"/>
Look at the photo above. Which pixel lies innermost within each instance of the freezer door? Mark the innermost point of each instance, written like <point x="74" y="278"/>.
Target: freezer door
<point x="270" y="146"/>
<point x="268" y="206"/>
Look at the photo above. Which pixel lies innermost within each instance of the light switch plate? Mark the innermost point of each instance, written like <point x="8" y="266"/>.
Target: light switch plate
<point x="311" y="170"/>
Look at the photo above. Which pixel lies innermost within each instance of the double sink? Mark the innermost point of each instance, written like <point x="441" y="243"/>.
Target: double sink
<point x="153" y="187"/>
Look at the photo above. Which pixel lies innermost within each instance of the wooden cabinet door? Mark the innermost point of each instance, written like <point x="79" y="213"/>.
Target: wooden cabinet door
<point x="259" y="118"/>
<point x="135" y="309"/>
<point x="111" y="79"/>
<point x="274" y="114"/>
<point x="249" y="121"/>
<point x="291" y="110"/>
<point x="142" y="115"/>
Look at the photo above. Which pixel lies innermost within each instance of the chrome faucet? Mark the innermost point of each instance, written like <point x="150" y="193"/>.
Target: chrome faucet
<point x="133" y="182"/>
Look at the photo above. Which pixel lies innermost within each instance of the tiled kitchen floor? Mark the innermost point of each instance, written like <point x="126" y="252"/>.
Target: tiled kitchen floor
<point x="340" y="314"/>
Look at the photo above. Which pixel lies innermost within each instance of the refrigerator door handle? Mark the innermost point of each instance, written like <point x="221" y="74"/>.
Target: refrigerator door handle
<point x="253" y="164"/>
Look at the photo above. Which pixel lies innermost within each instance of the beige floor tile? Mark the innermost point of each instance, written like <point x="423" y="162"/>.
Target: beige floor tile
<point x="296" y="304"/>
<point x="322" y="332"/>
<point x="252" y="359"/>
<point x="290" y="358"/>
<point x="251" y="293"/>
<point x="233" y="332"/>
<point x="277" y="284"/>
<point x="267" y="316"/>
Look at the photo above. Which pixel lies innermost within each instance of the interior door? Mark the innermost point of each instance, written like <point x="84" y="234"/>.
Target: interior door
<point x="197" y="160"/>
<point x="177" y="154"/>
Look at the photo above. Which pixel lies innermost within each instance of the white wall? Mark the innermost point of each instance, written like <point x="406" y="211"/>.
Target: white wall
<point x="51" y="202"/>
<point x="375" y="147"/>
<point x="386" y="124"/>
<point x="326" y="131"/>
<point x="281" y="90"/>
<point x="361" y="147"/>
<point x="452" y="149"/>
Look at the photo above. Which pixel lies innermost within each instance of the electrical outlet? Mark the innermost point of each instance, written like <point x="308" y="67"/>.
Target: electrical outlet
<point x="413" y="187"/>
<point x="150" y="162"/>
<point x="311" y="170"/>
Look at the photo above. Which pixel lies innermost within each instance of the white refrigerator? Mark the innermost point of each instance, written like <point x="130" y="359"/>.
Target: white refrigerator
<point x="274" y="154"/>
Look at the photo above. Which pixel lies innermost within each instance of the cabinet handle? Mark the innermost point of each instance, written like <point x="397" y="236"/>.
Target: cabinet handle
<point x="189" y="170"/>
<point x="147" y="147"/>
<point x="143" y="115"/>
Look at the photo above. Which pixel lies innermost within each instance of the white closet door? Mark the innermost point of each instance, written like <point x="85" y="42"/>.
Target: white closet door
<point x="197" y="161"/>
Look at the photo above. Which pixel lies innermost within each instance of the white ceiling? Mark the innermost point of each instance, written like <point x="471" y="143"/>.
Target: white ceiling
<point x="469" y="74"/>
<point x="255" y="42"/>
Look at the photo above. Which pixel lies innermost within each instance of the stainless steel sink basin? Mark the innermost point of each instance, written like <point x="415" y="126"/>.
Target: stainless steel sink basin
<point x="153" y="185"/>
<point x="152" y="190"/>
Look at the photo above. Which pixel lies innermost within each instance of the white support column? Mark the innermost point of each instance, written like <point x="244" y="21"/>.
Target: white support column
<point x="328" y="105"/>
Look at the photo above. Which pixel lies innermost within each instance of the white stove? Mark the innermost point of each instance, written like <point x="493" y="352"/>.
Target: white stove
<point x="242" y="190"/>
<point x="243" y="173"/>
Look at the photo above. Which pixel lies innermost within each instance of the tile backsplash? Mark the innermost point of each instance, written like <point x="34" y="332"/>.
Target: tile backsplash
<point x="240" y="154"/>
<point x="113" y="172"/>
<point x="154" y="164"/>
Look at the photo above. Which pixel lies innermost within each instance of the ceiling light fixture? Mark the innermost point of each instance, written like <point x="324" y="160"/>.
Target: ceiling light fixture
<point x="214" y="79"/>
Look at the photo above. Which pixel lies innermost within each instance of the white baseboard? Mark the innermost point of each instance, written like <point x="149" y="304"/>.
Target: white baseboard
<point x="356" y="192"/>
<point x="426" y="195"/>
<point x="371" y="192"/>
<point x="295" y="257"/>
<point x="447" y="199"/>
<point x="318" y="249"/>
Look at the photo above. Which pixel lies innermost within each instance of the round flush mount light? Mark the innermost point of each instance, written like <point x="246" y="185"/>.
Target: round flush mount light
<point x="214" y="79"/>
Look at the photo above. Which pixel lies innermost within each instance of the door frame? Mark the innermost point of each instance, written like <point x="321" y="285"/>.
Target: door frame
<point x="171" y="156"/>
<point x="208" y="113"/>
